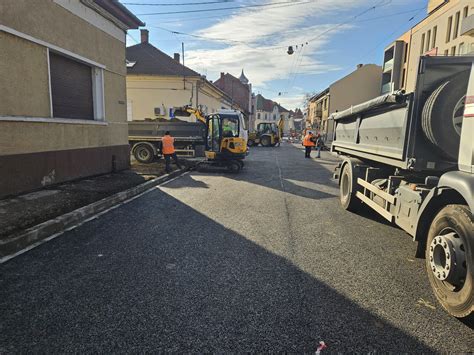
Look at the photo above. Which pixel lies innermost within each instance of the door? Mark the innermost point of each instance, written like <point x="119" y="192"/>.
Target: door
<point x="213" y="134"/>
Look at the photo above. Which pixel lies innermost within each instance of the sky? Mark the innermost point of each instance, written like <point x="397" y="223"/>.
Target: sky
<point x="329" y="38"/>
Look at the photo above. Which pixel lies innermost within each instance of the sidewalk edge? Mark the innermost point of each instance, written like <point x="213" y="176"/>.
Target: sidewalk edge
<point x="36" y="235"/>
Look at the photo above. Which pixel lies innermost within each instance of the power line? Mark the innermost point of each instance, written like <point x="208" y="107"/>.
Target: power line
<point x="181" y="4"/>
<point x="294" y="2"/>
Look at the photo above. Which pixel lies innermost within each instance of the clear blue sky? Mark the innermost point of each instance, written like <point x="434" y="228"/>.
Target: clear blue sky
<point x="339" y="34"/>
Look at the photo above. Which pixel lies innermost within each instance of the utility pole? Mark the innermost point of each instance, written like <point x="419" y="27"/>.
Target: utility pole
<point x="184" y="75"/>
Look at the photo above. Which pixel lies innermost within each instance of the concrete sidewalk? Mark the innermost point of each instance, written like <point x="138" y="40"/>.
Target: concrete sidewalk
<point x="31" y="217"/>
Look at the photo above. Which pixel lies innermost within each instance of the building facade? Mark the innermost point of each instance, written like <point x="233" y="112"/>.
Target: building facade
<point x="447" y="30"/>
<point x="239" y="90"/>
<point x="157" y="83"/>
<point x="63" y="98"/>
<point x="361" y="85"/>
<point x="267" y="110"/>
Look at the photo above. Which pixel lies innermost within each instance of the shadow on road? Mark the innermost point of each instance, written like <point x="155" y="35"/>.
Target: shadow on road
<point x="136" y="281"/>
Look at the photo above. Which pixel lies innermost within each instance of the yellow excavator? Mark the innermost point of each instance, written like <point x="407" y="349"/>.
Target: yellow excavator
<point x="268" y="134"/>
<point x="224" y="145"/>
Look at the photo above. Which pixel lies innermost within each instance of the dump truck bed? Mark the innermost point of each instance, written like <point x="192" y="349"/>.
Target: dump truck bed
<point x="388" y="129"/>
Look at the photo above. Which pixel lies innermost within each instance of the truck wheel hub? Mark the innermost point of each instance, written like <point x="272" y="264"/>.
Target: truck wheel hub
<point x="447" y="259"/>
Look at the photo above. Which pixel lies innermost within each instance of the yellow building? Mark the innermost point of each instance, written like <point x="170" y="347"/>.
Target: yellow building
<point x="63" y="98"/>
<point x="361" y="85"/>
<point x="156" y="83"/>
<point x="447" y="30"/>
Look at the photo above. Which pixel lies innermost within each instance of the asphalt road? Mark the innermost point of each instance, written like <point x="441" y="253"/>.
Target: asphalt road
<point x="261" y="261"/>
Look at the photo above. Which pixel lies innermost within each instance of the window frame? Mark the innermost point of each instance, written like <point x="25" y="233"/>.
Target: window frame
<point x="457" y="21"/>
<point x="449" y="29"/>
<point x="98" y="91"/>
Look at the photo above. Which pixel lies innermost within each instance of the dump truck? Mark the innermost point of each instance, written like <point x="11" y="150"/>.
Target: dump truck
<point x="410" y="157"/>
<point x="145" y="137"/>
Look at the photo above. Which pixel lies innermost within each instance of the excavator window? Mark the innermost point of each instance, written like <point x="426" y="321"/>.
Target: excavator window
<point x="230" y="127"/>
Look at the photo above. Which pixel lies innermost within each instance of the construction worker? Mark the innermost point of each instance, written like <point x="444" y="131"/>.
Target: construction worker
<point x="167" y="148"/>
<point x="309" y="143"/>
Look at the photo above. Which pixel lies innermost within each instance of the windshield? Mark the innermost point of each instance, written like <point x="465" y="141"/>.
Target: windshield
<point x="266" y="128"/>
<point x="230" y="126"/>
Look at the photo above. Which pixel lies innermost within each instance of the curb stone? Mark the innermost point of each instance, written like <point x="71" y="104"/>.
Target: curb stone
<point x="42" y="231"/>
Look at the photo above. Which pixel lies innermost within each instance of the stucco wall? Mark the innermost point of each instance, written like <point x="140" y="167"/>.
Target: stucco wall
<point x="32" y="143"/>
<point x="24" y="78"/>
<point x="24" y="68"/>
<point x="361" y="85"/>
<point x="440" y="19"/>
<point x="144" y="93"/>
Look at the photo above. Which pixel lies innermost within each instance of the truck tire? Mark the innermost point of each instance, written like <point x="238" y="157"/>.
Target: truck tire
<point x="266" y="141"/>
<point x="442" y="115"/>
<point x="143" y="153"/>
<point x="450" y="260"/>
<point x="347" y="193"/>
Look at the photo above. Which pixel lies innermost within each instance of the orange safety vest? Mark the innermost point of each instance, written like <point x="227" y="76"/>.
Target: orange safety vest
<point x="307" y="142"/>
<point x="167" y="145"/>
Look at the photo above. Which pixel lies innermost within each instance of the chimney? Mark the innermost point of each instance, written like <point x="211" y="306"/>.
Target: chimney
<point x="176" y="57"/>
<point x="144" y="35"/>
<point x="359" y="66"/>
<point x="222" y="75"/>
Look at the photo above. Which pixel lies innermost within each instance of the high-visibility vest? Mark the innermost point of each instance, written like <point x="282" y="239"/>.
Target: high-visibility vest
<point x="167" y="145"/>
<point x="307" y="142"/>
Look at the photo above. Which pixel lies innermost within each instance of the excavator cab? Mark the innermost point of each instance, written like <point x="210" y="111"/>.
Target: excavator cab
<point x="224" y="144"/>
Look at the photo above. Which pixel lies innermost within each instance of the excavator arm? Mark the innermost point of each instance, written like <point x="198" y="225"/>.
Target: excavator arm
<point x="188" y="110"/>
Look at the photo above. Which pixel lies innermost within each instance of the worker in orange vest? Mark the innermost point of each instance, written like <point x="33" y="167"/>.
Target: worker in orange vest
<point x="167" y="148"/>
<point x="309" y="143"/>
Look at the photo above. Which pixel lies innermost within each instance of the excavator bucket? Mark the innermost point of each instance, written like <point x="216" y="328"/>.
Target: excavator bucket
<point x="181" y="111"/>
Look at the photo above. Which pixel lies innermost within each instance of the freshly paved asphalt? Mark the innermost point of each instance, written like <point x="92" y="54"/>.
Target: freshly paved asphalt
<point x="261" y="261"/>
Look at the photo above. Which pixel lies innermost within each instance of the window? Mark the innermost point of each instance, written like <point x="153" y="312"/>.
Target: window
<point x="428" y="39"/>
<point x="325" y="103"/>
<point x="403" y="79"/>
<point x="230" y="127"/>
<point x="448" y="30"/>
<point x="76" y="89"/>
<point x="258" y="115"/>
<point x="406" y="53"/>
<point x="465" y="11"/>
<point x="71" y="88"/>
<point x="435" y="31"/>
<point x="456" y="25"/>
<point x="266" y="117"/>
<point x="446" y="52"/>
<point x="461" y="50"/>
<point x="453" y="50"/>
<point x="422" y="43"/>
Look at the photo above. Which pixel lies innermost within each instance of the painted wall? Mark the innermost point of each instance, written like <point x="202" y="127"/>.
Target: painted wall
<point x="144" y="93"/>
<point x="439" y="19"/>
<point x="361" y="85"/>
<point x="28" y="132"/>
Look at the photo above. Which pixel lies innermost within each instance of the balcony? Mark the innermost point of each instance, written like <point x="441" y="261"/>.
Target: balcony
<point x="388" y="65"/>
<point x="467" y="27"/>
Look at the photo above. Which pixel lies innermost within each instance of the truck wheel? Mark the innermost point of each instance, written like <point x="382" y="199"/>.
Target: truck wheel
<point x="450" y="259"/>
<point x="250" y="143"/>
<point x="347" y="193"/>
<point x="442" y="115"/>
<point x="143" y="153"/>
<point x="266" y="141"/>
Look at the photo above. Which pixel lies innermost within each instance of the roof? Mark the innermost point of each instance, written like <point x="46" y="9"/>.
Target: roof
<point x="264" y="104"/>
<point x="149" y="60"/>
<point x="117" y="10"/>
<point x="267" y="105"/>
<point x="282" y="109"/>
<point x="243" y="78"/>
<point x="319" y="95"/>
